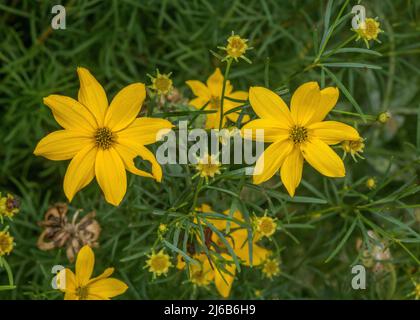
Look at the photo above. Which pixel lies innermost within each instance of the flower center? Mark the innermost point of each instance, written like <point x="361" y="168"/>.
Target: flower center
<point x="371" y="28"/>
<point x="298" y="134"/>
<point x="215" y="103"/>
<point x="163" y="84"/>
<point x="104" y="138"/>
<point x="159" y="263"/>
<point x="82" y="293"/>
<point x="236" y="47"/>
<point x="266" y="226"/>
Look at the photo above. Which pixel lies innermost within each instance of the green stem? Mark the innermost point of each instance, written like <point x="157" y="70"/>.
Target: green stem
<point x="229" y="63"/>
<point x="350" y="39"/>
<point x="197" y="191"/>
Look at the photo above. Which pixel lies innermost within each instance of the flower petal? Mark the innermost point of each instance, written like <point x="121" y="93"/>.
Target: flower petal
<point x="199" y="89"/>
<point x="273" y="130"/>
<point x="80" y="171"/>
<point x="215" y="84"/>
<point x="62" y="144"/>
<point x="333" y="132"/>
<point x="241" y="242"/>
<point x="224" y="280"/>
<point x="320" y="156"/>
<point x="213" y="119"/>
<point x="84" y="265"/>
<point x="106" y="274"/>
<point x="228" y="105"/>
<point x="305" y="102"/>
<point x="329" y="98"/>
<point x="125" y="106"/>
<point x="111" y="175"/>
<point x="66" y="281"/>
<point x="127" y="156"/>
<point x="271" y="160"/>
<point x="291" y="170"/>
<point x="92" y="95"/>
<point x="107" y="288"/>
<point x="269" y="105"/>
<point x="198" y="102"/>
<point x="146" y="130"/>
<point x="71" y="114"/>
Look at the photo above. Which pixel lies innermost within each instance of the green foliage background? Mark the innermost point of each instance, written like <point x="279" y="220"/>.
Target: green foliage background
<point x="121" y="41"/>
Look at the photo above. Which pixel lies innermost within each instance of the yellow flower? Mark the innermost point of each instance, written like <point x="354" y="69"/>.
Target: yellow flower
<point x="238" y="240"/>
<point x="354" y="147"/>
<point x="159" y="263"/>
<point x="201" y="274"/>
<point x="271" y="268"/>
<point x="371" y="183"/>
<point x="210" y="95"/>
<point x="265" y="226"/>
<point x="368" y="30"/>
<point x="81" y="286"/>
<point x="162" y="83"/>
<point x="180" y="262"/>
<point x="297" y="134"/>
<point x="6" y="243"/>
<point x="208" y="166"/>
<point x="101" y="140"/>
<point x="236" y="48"/>
<point x="9" y="205"/>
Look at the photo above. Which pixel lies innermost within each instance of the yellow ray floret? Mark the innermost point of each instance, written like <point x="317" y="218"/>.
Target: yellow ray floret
<point x="102" y="140"/>
<point x="297" y="134"/>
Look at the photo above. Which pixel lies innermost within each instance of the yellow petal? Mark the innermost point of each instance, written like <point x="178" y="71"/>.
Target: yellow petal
<point x="213" y="120"/>
<point x="215" y="84"/>
<point x="66" y="281"/>
<point x="92" y="95"/>
<point x="127" y="156"/>
<point x="271" y="160"/>
<point x="333" y="132"/>
<point x="62" y="144"/>
<point x="224" y="280"/>
<point x="71" y="296"/>
<point x="131" y="147"/>
<point x="241" y="248"/>
<point x="106" y="274"/>
<point x="107" y="288"/>
<point x="268" y="105"/>
<point x="84" y="265"/>
<point x="305" y="102"/>
<point x="273" y="130"/>
<point x="320" y="156"/>
<point x="199" y="89"/>
<point x="291" y="170"/>
<point x="71" y="114"/>
<point x="228" y="105"/>
<point x="198" y="103"/>
<point x="146" y="130"/>
<point x="111" y="176"/>
<point x="329" y="98"/>
<point x="125" y="106"/>
<point x="80" y="171"/>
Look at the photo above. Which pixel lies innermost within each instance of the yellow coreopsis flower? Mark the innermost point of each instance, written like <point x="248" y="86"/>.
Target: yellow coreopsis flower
<point x="201" y="274"/>
<point x="297" y="134"/>
<point x="81" y="286"/>
<point x="101" y="140"/>
<point x="368" y="30"/>
<point x="210" y="94"/>
<point x="208" y="166"/>
<point x="238" y="240"/>
<point x="159" y="263"/>
<point x="9" y="205"/>
<point x="271" y="268"/>
<point x="6" y="243"/>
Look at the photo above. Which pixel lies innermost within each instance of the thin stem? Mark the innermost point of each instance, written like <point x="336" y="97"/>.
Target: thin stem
<point x="229" y="63"/>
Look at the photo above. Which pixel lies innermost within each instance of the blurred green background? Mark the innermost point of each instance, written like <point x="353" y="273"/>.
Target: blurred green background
<point x="121" y="41"/>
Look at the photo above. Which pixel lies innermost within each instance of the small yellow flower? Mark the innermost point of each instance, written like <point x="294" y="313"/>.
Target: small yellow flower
<point x="368" y="30"/>
<point x="297" y="134"/>
<point x="6" y="243"/>
<point x="271" y="268"/>
<point x="9" y="205"/>
<point x="257" y="293"/>
<point x="353" y="147"/>
<point x="371" y="183"/>
<point x="265" y="226"/>
<point x="208" y="166"/>
<point x="163" y="228"/>
<point x="159" y="263"/>
<point x="81" y="286"/>
<point x="162" y="83"/>
<point x="210" y="94"/>
<point x="384" y="117"/>
<point x="202" y="274"/>
<point x="236" y="48"/>
<point x="101" y="139"/>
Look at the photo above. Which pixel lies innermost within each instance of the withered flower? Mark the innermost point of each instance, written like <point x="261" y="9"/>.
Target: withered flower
<point x="59" y="232"/>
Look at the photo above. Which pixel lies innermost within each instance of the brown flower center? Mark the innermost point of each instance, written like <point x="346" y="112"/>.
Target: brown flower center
<point x="82" y="292"/>
<point x="104" y="138"/>
<point x="298" y="134"/>
<point x="215" y="103"/>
